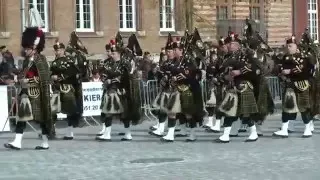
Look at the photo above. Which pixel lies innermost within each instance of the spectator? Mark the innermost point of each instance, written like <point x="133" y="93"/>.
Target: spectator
<point x="7" y="67"/>
<point x="95" y="76"/>
<point x="145" y="65"/>
<point x="152" y="74"/>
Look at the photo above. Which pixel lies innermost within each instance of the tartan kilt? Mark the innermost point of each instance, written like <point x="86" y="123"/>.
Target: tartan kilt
<point x="55" y="102"/>
<point x="247" y="103"/>
<point x="211" y="95"/>
<point x="303" y="100"/>
<point x="219" y="94"/>
<point x="181" y="101"/>
<point x="29" y="108"/>
<point x="114" y="102"/>
<point x="79" y="97"/>
<point x="314" y="96"/>
<point x="68" y="102"/>
<point x="264" y="101"/>
<point x="296" y="101"/>
<point x="161" y="100"/>
<point x="131" y="102"/>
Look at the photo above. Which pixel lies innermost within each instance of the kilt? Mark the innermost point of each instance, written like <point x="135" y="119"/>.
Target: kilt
<point x="314" y="96"/>
<point x="230" y="103"/>
<point x="211" y="98"/>
<point x="131" y="102"/>
<point x="161" y="100"/>
<point x="181" y="101"/>
<point x="114" y="102"/>
<point x="264" y="101"/>
<point x="296" y="101"/>
<point x="247" y="103"/>
<point x="55" y="103"/>
<point x="30" y="107"/>
<point x="68" y="101"/>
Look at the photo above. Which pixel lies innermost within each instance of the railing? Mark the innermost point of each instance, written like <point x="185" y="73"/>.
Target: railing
<point x="148" y="92"/>
<point x="150" y="89"/>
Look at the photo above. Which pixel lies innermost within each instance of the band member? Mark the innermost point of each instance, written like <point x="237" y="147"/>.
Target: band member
<point x="178" y="52"/>
<point x="294" y="71"/>
<point x="78" y="52"/>
<point x="214" y="85"/>
<point x="34" y="98"/>
<point x="117" y="101"/>
<point x="197" y="49"/>
<point x="104" y="64"/>
<point x="162" y="98"/>
<point x="65" y="76"/>
<point x="181" y="100"/>
<point x="258" y="49"/>
<point x="307" y="45"/>
<point x="239" y="101"/>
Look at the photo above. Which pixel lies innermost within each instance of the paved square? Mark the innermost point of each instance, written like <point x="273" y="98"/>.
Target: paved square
<point x="147" y="158"/>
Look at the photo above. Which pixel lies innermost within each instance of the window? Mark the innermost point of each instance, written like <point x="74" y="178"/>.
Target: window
<point x="313" y="18"/>
<point x="42" y="7"/>
<point x="167" y="15"/>
<point x="85" y="16"/>
<point x="223" y="8"/>
<point x="127" y="10"/>
<point x="254" y="9"/>
<point x="222" y="12"/>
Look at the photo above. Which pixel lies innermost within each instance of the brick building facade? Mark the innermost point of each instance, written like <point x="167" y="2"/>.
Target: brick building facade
<point x="274" y="17"/>
<point x="96" y="21"/>
<point x="306" y="14"/>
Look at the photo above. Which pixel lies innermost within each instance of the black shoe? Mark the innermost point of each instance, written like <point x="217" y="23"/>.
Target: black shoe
<point x="41" y="148"/>
<point x="154" y="134"/>
<point x="177" y="130"/>
<point x="165" y="140"/>
<point x="103" y="140"/>
<point x="191" y="140"/>
<point x="220" y="141"/>
<point x="152" y="128"/>
<point x="10" y="146"/>
<point x="125" y="139"/>
<point x="281" y="136"/>
<point x="306" y="136"/>
<point x="206" y="127"/>
<point x="209" y="130"/>
<point x="67" y="138"/>
<point x="289" y="131"/>
<point x="242" y="130"/>
<point x="121" y="134"/>
<point x="260" y="135"/>
<point x="251" y="140"/>
<point x="181" y="135"/>
<point x="234" y="135"/>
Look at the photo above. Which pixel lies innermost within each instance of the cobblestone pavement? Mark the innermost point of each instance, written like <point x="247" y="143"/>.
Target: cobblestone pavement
<point x="147" y="158"/>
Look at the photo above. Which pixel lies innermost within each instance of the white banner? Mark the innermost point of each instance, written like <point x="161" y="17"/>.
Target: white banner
<point x="4" y="109"/>
<point x="91" y="94"/>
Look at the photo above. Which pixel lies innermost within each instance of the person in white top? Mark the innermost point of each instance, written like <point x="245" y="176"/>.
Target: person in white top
<point x="95" y="76"/>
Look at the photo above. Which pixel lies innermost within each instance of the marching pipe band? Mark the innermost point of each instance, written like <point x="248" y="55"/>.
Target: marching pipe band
<point x="236" y="86"/>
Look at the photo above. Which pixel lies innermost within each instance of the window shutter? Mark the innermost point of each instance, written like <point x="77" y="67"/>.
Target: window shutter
<point x="96" y="12"/>
<point x="51" y="22"/>
<point x="139" y="15"/>
<point x="177" y="15"/>
<point x="2" y="15"/>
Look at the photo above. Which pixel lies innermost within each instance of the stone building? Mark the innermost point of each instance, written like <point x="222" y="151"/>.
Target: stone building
<point x="97" y="21"/>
